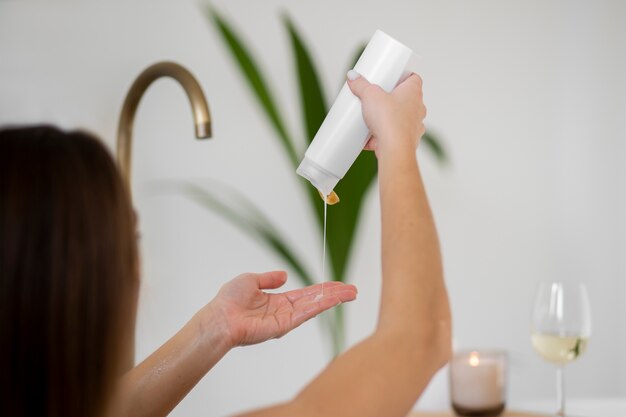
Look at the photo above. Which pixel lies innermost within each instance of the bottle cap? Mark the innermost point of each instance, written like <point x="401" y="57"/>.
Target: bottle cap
<point x="321" y="179"/>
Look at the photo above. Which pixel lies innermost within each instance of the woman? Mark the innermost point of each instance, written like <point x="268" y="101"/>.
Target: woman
<point x="69" y="283"/>
<point x="69" y="287"/>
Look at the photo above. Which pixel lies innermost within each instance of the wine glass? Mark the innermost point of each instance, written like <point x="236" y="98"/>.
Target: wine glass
<point x="561" y="327"/>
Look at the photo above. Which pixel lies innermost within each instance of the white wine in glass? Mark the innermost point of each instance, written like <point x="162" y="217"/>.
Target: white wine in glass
<point x="561" y="327"/>
<point x="559" y="349"/>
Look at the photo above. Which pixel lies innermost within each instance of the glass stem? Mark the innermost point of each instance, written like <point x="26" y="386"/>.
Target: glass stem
<point x="560" y="392"/>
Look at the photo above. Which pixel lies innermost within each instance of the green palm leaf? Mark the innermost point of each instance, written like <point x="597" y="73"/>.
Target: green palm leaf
<point x="243" y="214"/>
<point x="342" y="218"/>
<point x="312" y="99"/>
<point x="312" y="103"/>
<point x="436" y="147"/>
<point x="357" y="54"/>
<point x="256" y="81"/>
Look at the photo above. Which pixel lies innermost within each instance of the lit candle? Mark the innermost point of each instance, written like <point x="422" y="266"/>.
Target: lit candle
<point x="477" y="383"/>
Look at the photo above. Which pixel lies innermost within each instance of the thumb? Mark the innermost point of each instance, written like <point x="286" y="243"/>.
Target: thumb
<point x="271" y="280"/>
<point x="357" y="83"/>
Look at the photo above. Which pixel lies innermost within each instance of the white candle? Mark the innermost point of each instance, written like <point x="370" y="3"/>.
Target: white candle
<point x="477" y="380"/>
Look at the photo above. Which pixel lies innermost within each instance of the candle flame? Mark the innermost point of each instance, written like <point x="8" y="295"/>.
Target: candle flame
<point x="473" y="359"/>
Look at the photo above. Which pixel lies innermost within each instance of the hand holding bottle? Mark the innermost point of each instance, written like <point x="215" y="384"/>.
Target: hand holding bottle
<point x="395" y="120"/>
<point x="343" y="133"/>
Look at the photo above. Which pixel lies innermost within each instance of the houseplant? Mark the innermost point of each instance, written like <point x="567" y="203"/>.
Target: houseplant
<point x="241" y="212"/>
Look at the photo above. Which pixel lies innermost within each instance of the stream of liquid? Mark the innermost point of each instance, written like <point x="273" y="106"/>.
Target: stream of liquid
<point x="324" y="247"/>
<point x="321" y="294"/>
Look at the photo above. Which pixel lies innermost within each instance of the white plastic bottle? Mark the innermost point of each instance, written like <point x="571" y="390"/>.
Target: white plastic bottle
<point x="342" y="135"/>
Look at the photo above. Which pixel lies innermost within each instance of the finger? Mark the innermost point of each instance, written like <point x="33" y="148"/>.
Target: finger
<point x="411" y="86"/>
<point x="357" y="83"/>
<point x="271" y="280"/>
<point x="307" y="310"/>
<point x="311" y="290"/>
<point x="414" y="78"/>
<point x="345" y="292"/>
<point x="371" y="144"/>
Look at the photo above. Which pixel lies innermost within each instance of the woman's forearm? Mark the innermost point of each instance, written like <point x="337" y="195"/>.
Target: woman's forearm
<point x="161" y="381"/>
<point x="413" y="293"/>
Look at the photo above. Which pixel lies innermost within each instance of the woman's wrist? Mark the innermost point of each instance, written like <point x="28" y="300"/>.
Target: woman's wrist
<point x="397" y="154"/>
<point x="212" y="330"/>
<point x="162" y="380"/>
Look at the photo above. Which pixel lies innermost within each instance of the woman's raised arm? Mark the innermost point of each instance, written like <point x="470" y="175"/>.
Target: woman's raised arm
<point x="385" y="374"/>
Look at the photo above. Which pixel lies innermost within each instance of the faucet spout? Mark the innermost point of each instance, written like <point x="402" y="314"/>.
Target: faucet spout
<point x="199" y="106"/>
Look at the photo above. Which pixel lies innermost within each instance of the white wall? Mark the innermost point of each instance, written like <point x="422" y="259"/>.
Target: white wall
<point x="529" y="96"/>
<point x="621" y="175"/>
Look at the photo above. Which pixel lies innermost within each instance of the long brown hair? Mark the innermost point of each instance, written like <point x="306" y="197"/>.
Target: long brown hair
<point x="68" y="273"/>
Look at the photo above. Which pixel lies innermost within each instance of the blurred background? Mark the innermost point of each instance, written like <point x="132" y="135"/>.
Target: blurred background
<point x="529" y="99"/>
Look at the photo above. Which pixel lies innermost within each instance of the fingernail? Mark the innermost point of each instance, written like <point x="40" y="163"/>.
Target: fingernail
<point x="353" y="75"/>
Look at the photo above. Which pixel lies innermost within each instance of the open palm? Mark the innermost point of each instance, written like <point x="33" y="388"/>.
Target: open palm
<point x="253" y="316"/>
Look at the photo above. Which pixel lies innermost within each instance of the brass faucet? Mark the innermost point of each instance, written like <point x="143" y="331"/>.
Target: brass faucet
<point x="199" y="106"/>
<point x="201" y="116"/>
